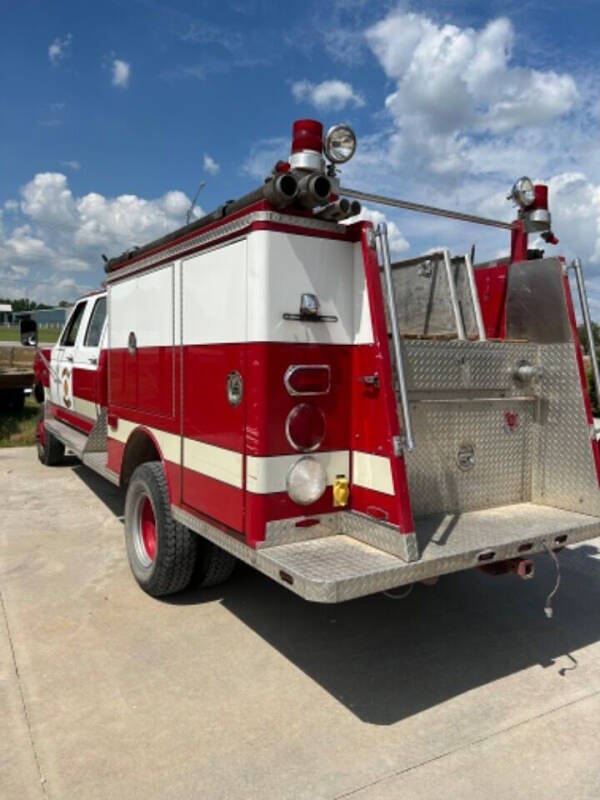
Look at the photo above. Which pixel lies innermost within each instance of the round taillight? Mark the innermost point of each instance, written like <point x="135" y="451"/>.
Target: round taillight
<point x="305" y="427"/>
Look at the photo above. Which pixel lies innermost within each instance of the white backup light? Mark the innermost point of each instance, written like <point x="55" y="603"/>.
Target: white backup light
<point x="340" y="144"/>
<point x="523" y="192"/>
<point x="306" y="481"/>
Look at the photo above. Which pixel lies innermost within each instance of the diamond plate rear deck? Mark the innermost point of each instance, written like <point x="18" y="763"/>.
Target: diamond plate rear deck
<point x="338" y="568"/>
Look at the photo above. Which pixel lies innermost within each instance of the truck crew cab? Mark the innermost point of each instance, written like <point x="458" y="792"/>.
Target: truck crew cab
<point x="267" y="385"/>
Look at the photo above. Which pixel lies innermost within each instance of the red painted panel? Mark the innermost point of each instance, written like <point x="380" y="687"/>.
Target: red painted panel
<point x="84" y="384"/>
<point x="214" y="498"/>
<point x="115" y="452"/>
<point x="82" y="424"/>
<point x="146" y="381"/>
<point x="207" y="414"/>
<point x="374" y="410"/>
<point x="491" y="286"/>
<point x="102" y="379"/>
<point x="269" y="403"/>
<point x="40" y="370"/>
<point x="155" y="368"/>
<point x="379" y="506"/>
<point x="122" y="378"/>
<point x="261" y="508"/>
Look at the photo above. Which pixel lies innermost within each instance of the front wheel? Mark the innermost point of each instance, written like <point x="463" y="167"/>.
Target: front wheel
<point x="161" y="552"/>
<point x="50" y="451"/>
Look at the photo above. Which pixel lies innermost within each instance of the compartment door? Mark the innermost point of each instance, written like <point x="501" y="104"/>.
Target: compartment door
<point x="214" y="332"/>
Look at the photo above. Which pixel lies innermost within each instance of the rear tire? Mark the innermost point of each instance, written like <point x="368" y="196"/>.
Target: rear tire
<point x="213" y="565"/>
<point x="50" y="450"/>
<point x="161" y="552"/>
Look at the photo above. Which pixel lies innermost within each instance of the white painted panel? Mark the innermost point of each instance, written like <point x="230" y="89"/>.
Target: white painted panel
<point x="372" y="472"/>
<point x="281" y="267"/>
<point x="121" y="312"/>
<point x="154" y="307"/>
<point x="268" y="474"/>
<point x="214" y="295"/>
<point x="363" y="330"/>
<point x="143" y="304"/>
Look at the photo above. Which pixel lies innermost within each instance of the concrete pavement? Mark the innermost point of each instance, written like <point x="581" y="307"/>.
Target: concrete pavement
<point x="246" y="691"/>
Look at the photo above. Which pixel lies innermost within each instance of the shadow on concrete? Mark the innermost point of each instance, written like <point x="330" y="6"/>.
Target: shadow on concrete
<point x="112" y="496"/>
<point x="386" y="659"/>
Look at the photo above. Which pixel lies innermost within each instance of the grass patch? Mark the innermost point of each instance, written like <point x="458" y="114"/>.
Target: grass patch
<point x="18" y="430"/>
<point x="45" y="335"/>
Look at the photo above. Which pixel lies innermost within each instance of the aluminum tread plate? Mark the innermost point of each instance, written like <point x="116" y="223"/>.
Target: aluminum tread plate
<point x="338" y="568"/>
<point x="71" y="438"/>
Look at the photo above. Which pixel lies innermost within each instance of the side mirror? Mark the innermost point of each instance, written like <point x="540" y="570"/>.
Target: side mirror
<point x="28" y="330"/>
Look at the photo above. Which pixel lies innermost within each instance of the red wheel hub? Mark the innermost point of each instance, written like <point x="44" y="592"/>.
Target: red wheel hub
<point x="148" y="528"/>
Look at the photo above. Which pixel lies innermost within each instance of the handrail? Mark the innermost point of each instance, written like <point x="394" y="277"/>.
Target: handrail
<point x="423" y="209"/>
<point x="475" y="298"/>
<point x="460" y="328"/>
<point x="575" y="265"/>
<point x="407" y="432"/>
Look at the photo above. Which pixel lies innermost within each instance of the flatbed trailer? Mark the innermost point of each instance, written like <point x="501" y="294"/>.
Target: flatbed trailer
<point x="16" y="376"/>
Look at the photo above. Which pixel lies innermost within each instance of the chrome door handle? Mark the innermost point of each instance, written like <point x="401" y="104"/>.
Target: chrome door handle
<point x="69" y="358"/>
<point x="93" y="360"/>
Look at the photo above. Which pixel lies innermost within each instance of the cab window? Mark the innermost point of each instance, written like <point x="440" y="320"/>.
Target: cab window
<point x="96" y="323"/>
<point x="70" y="332"/>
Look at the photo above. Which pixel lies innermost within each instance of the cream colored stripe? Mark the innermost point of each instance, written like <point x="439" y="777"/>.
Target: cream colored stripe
<point x="84" y="407"/>
<point x="372" y="472"/>
<point x="216" y="462"/>
<point x="169" y="443"/>
<point x="268" y="474"/>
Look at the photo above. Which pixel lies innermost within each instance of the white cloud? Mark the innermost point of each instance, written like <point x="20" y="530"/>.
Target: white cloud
<point x="60" y="48"/>
<point x="57" y="238"/>
<point x="121" y="72"/>
<point x="75" y="165"/>
<point x="210" y="165"/>
<point x="328" y="95"/>
<point x="396" y="240"/>
<point x="263" y="156"/>
<point x="456" y="89"/>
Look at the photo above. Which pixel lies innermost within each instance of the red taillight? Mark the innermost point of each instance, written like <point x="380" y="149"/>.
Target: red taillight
<point x="305" y="427"/>
<point x="308" y="379"/>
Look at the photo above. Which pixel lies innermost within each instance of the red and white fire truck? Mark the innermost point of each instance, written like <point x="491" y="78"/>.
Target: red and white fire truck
<point x="268" y="386"/>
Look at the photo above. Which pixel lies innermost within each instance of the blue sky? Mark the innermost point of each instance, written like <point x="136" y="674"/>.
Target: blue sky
<point x="113" y="112"/>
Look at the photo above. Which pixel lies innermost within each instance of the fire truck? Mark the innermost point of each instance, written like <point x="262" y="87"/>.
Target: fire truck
<point x="268" y="385"/>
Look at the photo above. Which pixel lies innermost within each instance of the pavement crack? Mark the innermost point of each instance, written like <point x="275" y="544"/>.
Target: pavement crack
<point x="464" y="746"/>
<point x="36" y="759"/>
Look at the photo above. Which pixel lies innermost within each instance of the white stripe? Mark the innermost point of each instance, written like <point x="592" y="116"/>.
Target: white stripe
<point x="267" y="474"/>
<point x="216" y="462"/>
<point x="372" y="472"/>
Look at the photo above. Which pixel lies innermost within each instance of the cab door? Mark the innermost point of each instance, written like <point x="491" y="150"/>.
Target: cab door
<point x="63" y="359"/>
<point x="86" y="358"/>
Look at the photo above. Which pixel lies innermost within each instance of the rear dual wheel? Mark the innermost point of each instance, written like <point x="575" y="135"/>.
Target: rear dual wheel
<point x="164" y="555"/>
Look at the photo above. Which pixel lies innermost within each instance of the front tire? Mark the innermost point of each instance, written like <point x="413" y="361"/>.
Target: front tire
<point x="213" y="565"/>
<point x="50" y="451"/>
<point x="161" y="552"/>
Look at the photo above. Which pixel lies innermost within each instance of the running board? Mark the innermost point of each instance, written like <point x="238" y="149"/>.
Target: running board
<point x="78" y="443"/>
<point x="332" y="569"/>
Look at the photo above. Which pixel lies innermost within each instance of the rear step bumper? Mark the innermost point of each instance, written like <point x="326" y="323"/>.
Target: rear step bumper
<point x="332" y="569"/>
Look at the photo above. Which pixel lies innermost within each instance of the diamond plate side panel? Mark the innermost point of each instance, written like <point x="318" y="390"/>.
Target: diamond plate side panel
<point x="96" y="441"/>
<point x="380" y="535"/>
<point x="565" y="473"/>
<point x="468" y="371"/>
